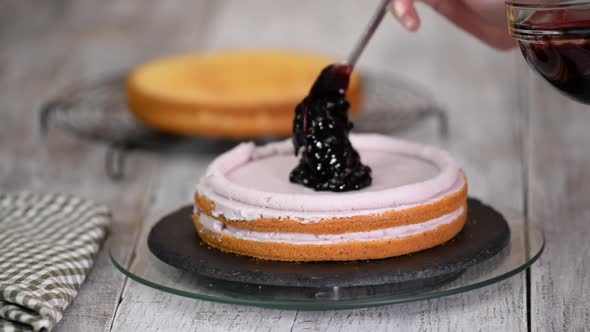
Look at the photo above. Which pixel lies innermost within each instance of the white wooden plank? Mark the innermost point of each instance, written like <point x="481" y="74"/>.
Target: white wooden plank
<point x="64" y="164"/>
<point x="58" y="44"/>
<point x="139" y="31"/>
<point x="30" y="162"/>
<point x="558" y="201"/>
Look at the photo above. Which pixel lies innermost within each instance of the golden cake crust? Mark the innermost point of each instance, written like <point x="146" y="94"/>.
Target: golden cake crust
<point x="232" y="94"/>
<point x="334" y="252"/>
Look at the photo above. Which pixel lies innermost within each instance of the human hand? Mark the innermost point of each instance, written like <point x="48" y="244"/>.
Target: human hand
<point x="485" y="19"/>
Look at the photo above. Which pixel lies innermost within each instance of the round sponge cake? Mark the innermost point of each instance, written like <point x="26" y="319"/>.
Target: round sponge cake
<point x="227" y="94"/>
<point x="245" y="204"/>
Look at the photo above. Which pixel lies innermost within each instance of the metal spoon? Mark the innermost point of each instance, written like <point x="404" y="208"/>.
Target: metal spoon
<point x="367" y="34"/>
<point x="334" y="78"/>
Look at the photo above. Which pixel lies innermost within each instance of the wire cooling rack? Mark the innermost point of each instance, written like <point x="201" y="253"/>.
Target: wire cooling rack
<point x="97" y="111"/>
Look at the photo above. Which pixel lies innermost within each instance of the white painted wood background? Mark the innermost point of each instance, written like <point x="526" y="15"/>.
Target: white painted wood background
<point x="522" y="146"/>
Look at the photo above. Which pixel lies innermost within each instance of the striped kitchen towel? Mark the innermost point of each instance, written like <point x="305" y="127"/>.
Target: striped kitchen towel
<point x="47" y="245"/>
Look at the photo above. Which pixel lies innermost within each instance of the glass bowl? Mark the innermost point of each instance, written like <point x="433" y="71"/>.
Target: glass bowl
<point x="554" y="37"/>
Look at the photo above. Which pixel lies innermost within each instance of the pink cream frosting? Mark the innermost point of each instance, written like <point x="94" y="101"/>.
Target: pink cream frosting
<point x="250" y="182"/>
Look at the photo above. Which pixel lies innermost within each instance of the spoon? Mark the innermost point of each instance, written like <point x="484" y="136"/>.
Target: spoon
<point x="335" y="77"/>
<point x="367" y="34"/>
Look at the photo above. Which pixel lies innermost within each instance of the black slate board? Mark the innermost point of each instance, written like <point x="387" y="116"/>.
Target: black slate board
<point x="175" y="241"/>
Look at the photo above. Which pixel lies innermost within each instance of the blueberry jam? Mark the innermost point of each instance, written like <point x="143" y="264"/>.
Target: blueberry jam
<point x="556" y="43"/>
<point x="320" y="130"/>
<point x="563" y="63"/>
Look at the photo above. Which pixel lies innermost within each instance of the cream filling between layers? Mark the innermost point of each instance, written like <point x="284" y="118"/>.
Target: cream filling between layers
<point x="398" y="232"/>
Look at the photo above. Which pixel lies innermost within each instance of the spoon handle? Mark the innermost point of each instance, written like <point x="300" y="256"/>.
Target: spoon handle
<point x="368" y="33"/>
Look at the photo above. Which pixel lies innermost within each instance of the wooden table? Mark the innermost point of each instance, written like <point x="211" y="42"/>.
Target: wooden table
<point x="522" y="145"/>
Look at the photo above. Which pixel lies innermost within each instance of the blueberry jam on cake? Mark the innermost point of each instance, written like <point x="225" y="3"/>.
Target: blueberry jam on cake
<point x="328" y="162"/>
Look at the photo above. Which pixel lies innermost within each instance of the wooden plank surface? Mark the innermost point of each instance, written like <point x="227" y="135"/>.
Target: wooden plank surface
<point x="36" y="65"/>
<point x="123" y="35"/>
<point x="62" y="42"/>
<point x="559" y="201"/>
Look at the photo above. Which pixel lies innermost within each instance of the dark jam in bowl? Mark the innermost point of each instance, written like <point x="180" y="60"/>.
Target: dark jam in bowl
<point x="555" y="41"/>
<point x="563" y="63"/>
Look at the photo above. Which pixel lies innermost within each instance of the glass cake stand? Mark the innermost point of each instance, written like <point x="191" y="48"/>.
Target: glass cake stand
<point x="97" y="111"/>
<point x="525" y="246"/>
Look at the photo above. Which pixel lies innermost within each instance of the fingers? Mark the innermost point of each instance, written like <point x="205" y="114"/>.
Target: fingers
<point x="492" y="11"/>
<point x="460" y="14"/>
<point x="406" y="14"/>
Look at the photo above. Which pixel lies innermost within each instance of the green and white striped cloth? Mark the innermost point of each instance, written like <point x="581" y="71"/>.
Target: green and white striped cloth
<point x="47" y="245"/>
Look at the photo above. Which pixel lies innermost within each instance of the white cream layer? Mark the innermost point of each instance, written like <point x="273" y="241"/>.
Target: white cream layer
<point x="249" y="182"/>
<point x="392" y="233"/>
